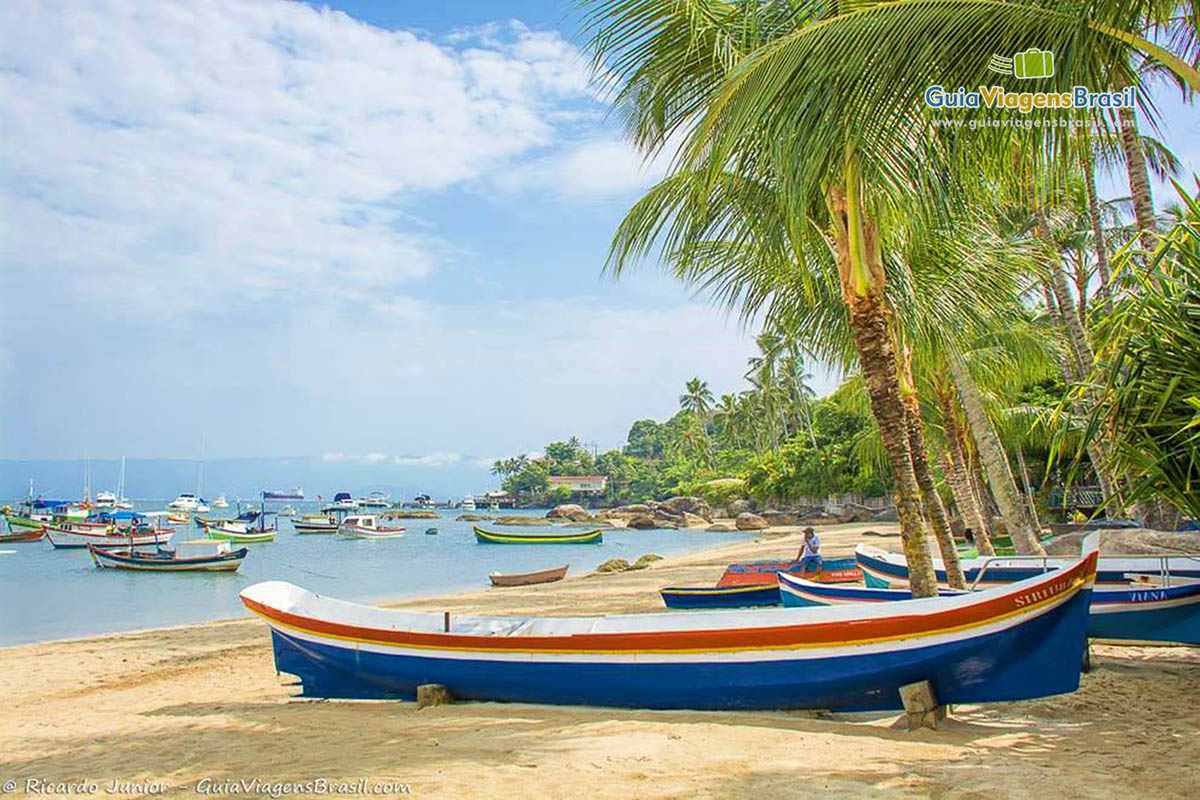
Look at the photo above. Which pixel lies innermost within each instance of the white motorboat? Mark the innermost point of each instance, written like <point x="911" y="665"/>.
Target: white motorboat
<point x="189" y="502"/>
<point x="365" y="526"/>
<point x="374" y="500"/>
<point x="342" y="501"/>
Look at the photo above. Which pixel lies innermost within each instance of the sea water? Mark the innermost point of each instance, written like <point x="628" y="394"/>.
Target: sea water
<point x="46" y="593"/>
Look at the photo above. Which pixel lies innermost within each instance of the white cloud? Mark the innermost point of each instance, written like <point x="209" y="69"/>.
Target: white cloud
<point x="429" y="460"/>
<point x="375" y="458"/>
<point x="598" y="168"/>
<point x="167" y="153"/>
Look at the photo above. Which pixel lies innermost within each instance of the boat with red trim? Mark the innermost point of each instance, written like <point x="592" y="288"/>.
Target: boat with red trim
<point x="1016" y="642"/>
<point x="762" y="573"/>
<point x="754" y="585"/>
<point x="366" y="526"/>
<point x="1140" y="612"/>
<point x="882" y="569"/>
<point x="110" y="529"/>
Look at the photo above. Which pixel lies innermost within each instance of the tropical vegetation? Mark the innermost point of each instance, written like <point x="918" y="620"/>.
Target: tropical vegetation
<point x="944" y="259"/>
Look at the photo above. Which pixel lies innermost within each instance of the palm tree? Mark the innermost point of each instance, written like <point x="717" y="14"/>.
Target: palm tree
<point x="768" y="99"/>
<point x="1149" y="378"/>
<point x="697" y="398"/>
<point x="762" y="375"/>
<point x="729" y="420"/>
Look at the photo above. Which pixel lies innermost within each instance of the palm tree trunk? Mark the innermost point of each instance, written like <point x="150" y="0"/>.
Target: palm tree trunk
<point x="983" y="495"/>
<point x="860" y="266"/>
<point x="991" y="454"/>
<point x="1082" y="356"/>
<point x="934" y="509"/>
<point x="872" y="335"/>
<point x="1139" y="177"/>
<point x="1027" y="487"/>
<point x="1089" y="172"/>
<point x="933" y="502"/>
<point x="1081" y="282"/>
<point x="959" y="477"/>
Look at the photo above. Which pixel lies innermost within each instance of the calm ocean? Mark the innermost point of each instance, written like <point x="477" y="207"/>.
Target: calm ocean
<point x="53" y="594"/>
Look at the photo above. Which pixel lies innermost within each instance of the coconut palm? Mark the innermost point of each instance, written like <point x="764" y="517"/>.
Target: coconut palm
<point x="768" y="98"/>
<point x="1148" y="377"/>
<point x="697" y="398"/>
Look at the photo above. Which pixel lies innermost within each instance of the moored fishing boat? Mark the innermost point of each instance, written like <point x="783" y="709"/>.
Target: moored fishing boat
<point x="882" y="569"/>
<point x="22" y="534"/>
<point x="197" y="556"/>
<point x="366" y="526"/>
<point x="240" y="534"/>
<point x="1012" y="643"/>
<point x="529" y="578"/>
<point x="1139" y="613"/>
<point x="17" y="523"/>
<point x="495" y="537"/>
<point x="64" y="538"/>
<point x="315" y="523"/>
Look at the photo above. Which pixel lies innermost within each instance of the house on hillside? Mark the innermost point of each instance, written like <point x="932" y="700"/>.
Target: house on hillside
<point x="580" y="484"/>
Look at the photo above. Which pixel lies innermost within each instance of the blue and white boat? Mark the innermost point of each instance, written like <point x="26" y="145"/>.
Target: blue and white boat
<point x="1017" y="642"/>
<point x="883" y="570"/>
<point x="1140" y="612"/>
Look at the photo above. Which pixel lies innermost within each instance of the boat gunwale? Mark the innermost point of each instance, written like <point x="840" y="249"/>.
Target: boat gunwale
<point x="776" y="629"/>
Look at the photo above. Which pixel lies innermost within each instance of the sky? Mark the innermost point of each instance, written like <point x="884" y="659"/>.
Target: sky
<point x="369" y="233"/>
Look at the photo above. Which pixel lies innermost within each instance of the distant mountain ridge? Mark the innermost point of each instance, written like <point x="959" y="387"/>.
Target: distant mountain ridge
<point x="156" y="478"/>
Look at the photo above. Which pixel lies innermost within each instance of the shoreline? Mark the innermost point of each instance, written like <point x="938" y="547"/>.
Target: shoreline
<point x="183" y="704"/>
<point x="708" y="554"/>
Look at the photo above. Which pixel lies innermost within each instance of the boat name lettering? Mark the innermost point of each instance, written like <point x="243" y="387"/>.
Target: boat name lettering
<point x="1041" y="594"/>
<point x="1146" y="596"/>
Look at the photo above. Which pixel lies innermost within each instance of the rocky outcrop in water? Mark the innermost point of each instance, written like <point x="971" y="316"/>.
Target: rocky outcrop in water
<point x="569" y="511"/>
<point x="523" y="521"/>
<point x="750" y="522"/>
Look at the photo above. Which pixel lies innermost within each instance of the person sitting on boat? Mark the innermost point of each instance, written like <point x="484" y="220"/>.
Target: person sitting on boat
<point x="810" y="553"/>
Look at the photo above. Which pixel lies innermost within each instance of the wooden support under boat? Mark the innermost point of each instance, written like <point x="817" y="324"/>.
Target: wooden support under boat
<point x="529" y="578"/>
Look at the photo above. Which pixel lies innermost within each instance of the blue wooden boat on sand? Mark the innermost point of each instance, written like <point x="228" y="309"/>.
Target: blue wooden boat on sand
<point x="884" y="570"/>
<point x="753" y="584"/>
<point x="753" y="596"/>
<point x="1142" y="613"/>
<point x="1012" y="643"/>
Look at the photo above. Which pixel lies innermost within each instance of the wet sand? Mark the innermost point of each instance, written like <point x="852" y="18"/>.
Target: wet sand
<point x="176" y="706"/>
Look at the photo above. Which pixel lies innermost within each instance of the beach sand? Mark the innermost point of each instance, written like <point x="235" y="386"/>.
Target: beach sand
<point x="181" y="705"/>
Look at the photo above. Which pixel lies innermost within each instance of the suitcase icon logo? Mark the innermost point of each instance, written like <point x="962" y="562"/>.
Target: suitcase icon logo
<point x="1032" y="63"/>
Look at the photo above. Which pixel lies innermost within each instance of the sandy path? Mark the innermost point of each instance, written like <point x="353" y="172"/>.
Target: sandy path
<point x="182" y="704"/>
